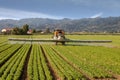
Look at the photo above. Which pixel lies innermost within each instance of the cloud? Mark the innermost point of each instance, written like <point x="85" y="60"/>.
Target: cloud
<point x="97" y="15"/>
<point x="19" y="14"/>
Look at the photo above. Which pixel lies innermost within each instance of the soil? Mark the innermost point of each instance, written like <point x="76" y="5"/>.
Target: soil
<point x="24" y="73"/>
<point x="53" y="73"/>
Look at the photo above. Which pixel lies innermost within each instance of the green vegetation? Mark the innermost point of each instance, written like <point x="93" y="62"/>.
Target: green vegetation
<point x="62" y="68"/>
<point x="12" y="69"/>
<point x="37" y="66"/>
<point x="20" y="31"/>
<point x="74" y="61"/>
<point x="94" y="61"/>
<point x="4" y="54"/>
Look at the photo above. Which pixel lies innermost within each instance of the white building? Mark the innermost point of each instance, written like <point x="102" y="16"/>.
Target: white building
<point x="6" y="30"/>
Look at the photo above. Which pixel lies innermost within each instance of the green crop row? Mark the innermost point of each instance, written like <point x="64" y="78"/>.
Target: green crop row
<point x="62" y="69"/>
<point x="7" y="53"/>
<point x="3" y="43"/>
<point x="37" y="66"/>
<point x="49" y="62"/>
<point x="3" y="39"/>
<point x="107" y="58"/>
<point x="12" y="69"/>
<point x="4" y="47"/>
<point x="94" y="61"/>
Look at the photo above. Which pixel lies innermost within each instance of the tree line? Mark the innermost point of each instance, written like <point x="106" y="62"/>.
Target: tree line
<point x="17" y="30"/>
<point x="24" y="30"/>
<point x="20" y="31"/>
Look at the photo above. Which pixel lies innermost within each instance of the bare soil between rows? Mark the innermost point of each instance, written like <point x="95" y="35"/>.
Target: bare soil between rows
<point x="53" y="73"/>
<point x="24" y="75"/>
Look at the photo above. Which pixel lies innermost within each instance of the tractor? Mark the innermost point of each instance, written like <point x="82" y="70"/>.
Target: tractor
<point x="59" y="36"/>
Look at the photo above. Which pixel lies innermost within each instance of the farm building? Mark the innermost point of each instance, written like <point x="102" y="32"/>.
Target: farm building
<point x="6" y="30"/>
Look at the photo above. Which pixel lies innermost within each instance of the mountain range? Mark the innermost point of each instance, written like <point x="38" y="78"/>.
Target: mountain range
<point x="108" y="24"/>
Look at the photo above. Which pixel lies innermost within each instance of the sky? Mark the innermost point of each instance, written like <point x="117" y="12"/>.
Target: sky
<point x="58" y="9"/>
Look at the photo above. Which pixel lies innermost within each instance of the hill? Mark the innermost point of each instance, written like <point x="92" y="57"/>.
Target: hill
<point x="109" y="24"/>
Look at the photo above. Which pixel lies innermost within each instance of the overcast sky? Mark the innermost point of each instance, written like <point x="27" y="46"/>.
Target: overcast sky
<point x="58" y="9"/>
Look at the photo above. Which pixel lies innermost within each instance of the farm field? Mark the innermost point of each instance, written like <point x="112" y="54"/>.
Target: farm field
<point x="73" y="61"/>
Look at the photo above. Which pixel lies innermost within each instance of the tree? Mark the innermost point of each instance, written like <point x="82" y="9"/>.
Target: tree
<point x="16" y="31"/>
<point x="34" y="31"/>
<point x="21" y="31"/>
<point x="25" y="28"/>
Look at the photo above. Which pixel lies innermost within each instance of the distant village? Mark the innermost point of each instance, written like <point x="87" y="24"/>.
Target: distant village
<point x="23" y="31"/>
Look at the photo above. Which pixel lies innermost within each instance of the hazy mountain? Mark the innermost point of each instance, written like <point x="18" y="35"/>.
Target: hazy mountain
<point x="109" y="24"/>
